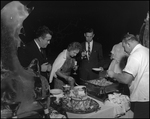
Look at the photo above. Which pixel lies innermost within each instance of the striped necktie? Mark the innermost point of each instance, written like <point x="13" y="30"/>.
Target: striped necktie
<point x="89" y="49"/>
<point x="42" y="52"/>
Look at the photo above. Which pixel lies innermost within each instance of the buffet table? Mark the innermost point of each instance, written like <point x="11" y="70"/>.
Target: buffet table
<point x="106" y="111"/>
<point x="91" y="105"/>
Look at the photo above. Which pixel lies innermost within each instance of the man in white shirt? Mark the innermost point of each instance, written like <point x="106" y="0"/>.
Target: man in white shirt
<point x="136" y="75"/>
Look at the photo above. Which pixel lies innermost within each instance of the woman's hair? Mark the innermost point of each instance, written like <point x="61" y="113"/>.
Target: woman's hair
<point x="74" y="46"/>
<point x="42" y="31"/>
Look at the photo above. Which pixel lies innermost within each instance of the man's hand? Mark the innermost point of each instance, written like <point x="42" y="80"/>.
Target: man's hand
<point x="49" y="67"/>
<point x="101" y="68"/>
<point x="110" y="73"/>
<point x="45" y="67"/>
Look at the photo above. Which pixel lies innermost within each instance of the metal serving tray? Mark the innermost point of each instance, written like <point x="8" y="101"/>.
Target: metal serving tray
<point x="100" y="92"/>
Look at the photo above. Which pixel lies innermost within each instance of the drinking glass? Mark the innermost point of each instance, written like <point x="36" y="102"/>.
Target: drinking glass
<point x="38" y="92"/>
<point x="75" y="68"/>
<point x="9" y="104"/>
<point x="14" y="106"/>
<point x="43" y="102"/>
<point x="66" y="89"/>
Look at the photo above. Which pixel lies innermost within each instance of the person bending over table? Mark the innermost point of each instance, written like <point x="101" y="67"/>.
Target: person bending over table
<point x="119" y="58"/>
<point x="118" y="63"/>
<point x="63" y="66"/>
<point x="136" y="75"/>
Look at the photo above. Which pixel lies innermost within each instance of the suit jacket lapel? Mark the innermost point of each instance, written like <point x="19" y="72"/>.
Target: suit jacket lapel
<point x="38" y="51"/>
<point x="85" y="46"/>
<point x="93" y="48"/>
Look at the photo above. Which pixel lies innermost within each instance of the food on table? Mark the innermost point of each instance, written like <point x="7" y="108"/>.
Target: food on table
<point x="121" y="102"/>
<point x="101" y="82"/>
<point x="79" y="102"/>
<point x="118" y="98"/>
<point x="79" y="92"/>
<point x="78" y="106"/>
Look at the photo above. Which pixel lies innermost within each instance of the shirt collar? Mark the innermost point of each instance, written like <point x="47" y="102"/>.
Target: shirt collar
<point x="37" y="44"/>
<point x="136" y="47"/>
<point x="90" y="42"/>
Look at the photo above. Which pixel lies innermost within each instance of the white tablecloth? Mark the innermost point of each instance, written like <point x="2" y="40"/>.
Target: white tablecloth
<point x="106" y="111"/>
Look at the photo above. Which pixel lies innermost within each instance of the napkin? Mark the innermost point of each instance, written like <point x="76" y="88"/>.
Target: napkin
<point x="120" y="102"/>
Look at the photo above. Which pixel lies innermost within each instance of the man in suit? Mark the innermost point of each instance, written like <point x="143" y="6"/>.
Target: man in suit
<point x="93" y="52"/>
<point x="34" y="50"/>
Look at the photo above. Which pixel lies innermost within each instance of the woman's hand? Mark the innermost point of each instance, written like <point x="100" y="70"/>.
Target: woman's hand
<point x="83" y="54"/>
<point x="101" y="68"/>
<point x="75" y="67"/>
<point x="71" y="81"/>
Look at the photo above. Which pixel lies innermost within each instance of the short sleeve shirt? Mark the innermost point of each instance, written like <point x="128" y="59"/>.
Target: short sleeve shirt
<point x="138" y="66"/>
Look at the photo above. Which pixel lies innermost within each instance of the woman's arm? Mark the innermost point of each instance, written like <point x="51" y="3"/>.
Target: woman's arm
<point x="59" y="73"/>
<point x="70" y="79"/>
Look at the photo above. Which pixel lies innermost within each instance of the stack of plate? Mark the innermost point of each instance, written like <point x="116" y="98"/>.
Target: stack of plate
<point x="57" y="93"/>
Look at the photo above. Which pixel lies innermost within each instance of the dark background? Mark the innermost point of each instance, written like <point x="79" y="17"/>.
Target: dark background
<point x="68" y="19"/>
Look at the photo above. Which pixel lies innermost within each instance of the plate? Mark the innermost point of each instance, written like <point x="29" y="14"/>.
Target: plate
<point x="56" y="91"/>
<point x="79" y="87"/>
<point x="94" y="106"/>
<point x="97" y="69"/>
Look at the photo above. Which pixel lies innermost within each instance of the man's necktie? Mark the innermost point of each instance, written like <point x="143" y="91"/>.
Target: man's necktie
<point x="42" y="52"/>
<point x="89" y="49"/>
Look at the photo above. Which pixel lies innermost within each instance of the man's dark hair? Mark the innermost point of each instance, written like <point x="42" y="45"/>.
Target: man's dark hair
<point x="74" y="46"/>
<point x="89" y="30"/>
<point x="42" y="31"/>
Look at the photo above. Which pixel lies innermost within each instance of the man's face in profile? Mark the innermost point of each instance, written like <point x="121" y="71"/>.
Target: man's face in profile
<point x="46" y="40"/>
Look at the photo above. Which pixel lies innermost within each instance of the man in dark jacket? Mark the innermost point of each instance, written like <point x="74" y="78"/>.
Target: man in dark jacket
<point x="34" y="50"/>
<point x="91" y="57"/>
